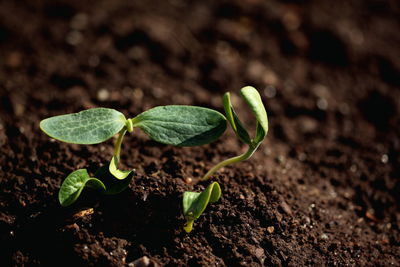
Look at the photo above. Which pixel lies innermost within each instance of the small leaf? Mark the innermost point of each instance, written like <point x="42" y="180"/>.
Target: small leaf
<point x="233" y="119"/>
<point x="113" y="186"/>
<point x="253" y="99"/>
<point x="113" y="168"/>
<point x="91" y="126"/>
<point x="73" y="185"/>
<point x="195" y="203"/>
<point x="181" y="125"/>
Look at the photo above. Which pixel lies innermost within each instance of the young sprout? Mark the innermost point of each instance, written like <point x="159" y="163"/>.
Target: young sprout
<point x="253" y="99"/>
<point x="195" y="203"/>
<point x="174" y="125"/>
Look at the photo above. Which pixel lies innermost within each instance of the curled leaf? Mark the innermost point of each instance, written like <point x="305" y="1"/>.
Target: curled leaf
<point x="91" y="126"/>
<point x="113" y="186"/>
<point x="181" y="125"/>
<point x="234" y="121"/>
<point x="117" y="173"/>
<point x="253" y="99"/>
<point x="73" y="185"/>
<point x="195" y="203"/>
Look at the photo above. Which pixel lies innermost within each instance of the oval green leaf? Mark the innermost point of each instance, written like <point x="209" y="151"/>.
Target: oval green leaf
<point x="253" y="99"/>
<point x="181" y="125"/>
<point x="233" y="119"/>
<point x="91" y="126"/>
<point x="117" y="173"/>
<point x="113" y="186"/>
<point x="73" y="185"/>
<point x="195" y="203"/>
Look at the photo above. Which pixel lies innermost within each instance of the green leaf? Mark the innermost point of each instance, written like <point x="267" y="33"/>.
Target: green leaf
<point x="233" y="119"/>
<point x="253" y="99"/>
<point x="91" y="126"/>
<point x="73" y="185"/>
<point x="113" y="168"/>
<point x="181" y="125"/>
<point x="113" y="186"/>
<point x="195" y="203"/>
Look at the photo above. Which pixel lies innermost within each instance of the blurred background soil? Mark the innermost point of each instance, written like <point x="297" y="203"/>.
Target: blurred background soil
<point x="323" y="189"/>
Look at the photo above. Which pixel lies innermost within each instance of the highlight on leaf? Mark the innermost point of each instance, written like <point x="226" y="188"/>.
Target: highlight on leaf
<point x="195" y="203"/>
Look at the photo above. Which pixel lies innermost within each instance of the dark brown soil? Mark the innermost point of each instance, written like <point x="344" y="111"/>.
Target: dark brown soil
<point x="323" y="190"/>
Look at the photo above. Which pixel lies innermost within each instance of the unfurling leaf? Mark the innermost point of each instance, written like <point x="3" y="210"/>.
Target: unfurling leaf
<point x="73" y="185"/>
<point x="181" y="125"/>
<point x="253" y="99"/>
<point x="117" y="173"/>
<point x="90" y="126"/>
<point x="233" y="119"/>
<point x="195" y="203"/>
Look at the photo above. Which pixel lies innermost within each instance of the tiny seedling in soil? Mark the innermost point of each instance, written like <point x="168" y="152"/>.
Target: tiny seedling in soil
<point x="253" y="99"/>
<point x="176" y="125"/>
<point x="195" y="203"/>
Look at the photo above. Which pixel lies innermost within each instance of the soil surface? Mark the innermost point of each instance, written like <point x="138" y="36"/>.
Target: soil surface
<point x="322" y="190"/>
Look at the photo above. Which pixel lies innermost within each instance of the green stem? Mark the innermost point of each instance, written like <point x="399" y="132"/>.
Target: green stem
<point x="188" y="226"/>
<point x="118" y="143"/>
<point x="236" y="159"/>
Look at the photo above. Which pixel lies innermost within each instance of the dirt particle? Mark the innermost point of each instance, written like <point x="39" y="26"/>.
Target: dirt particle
<point x="103" y="94"/>
<point x="286" y="208"/>
<point x="143" y="262"/>
<point x="322" y="103"/>
<point x="324" y="236"/>
<point x="270" y="229"/>
<point x="83" y="213"/>
<point x="384" y="158"/>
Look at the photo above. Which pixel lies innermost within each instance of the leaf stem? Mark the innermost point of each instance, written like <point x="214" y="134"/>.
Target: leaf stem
<point x="118" y="143"/>
<point x="244" y="156"/>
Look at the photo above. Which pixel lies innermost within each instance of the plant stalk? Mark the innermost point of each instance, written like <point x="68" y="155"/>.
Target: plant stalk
<point x="244" y="156"/>
<point x="118" y="143"/>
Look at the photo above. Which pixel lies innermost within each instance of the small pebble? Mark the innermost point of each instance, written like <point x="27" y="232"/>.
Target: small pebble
<point x="322" y="104"/>
<point x="324" y="236"/>
<point x="188" y="180"/>
<point x="384" y="159"/>
<point x="353" y="168"/>
<point x="270" y="229"/>
<point x="103" y="94"/>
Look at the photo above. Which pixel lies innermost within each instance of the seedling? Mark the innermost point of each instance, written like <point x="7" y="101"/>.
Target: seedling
<point x="175" y="125"/>
<point x="195" y="203"/>
<point x="253" y="99"/>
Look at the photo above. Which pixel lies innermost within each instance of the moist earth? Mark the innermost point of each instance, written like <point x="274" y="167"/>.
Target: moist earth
<point x="322" y="190"/>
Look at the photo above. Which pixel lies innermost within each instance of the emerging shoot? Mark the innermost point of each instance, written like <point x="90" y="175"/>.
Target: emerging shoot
<point x="195" y="203"/>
